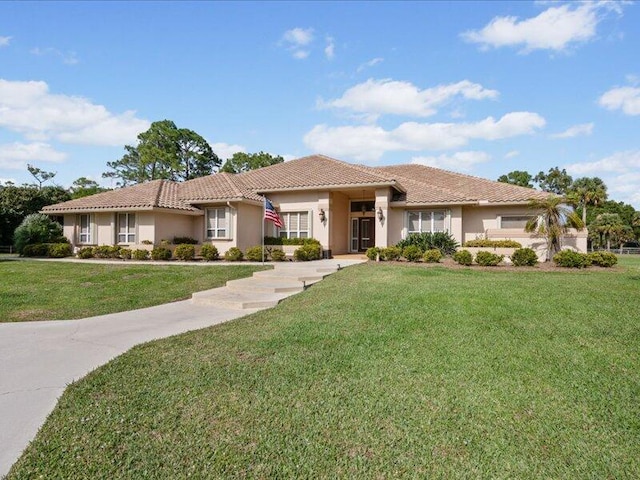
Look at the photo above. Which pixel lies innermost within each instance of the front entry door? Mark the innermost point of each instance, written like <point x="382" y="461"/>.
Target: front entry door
<point x="367" y="233"/>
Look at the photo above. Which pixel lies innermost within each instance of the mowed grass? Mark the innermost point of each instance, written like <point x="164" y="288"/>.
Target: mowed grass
<point x="33" y="290"/>
<point x="378" y="371"/>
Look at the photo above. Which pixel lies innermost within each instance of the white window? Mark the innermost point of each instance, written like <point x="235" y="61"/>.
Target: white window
<point x="296" y="225"/>
<point x="427" y="221"/>
<point x="126" y="228"/>
<point x="84" y="228"/>
<point x="218" y="223"/>
<point x="514" y="221"/>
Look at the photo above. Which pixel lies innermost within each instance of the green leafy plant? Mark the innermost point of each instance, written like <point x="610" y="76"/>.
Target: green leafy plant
<point x="160" y="253"/>
<point x="571" y="259"/>
<point x="372" y="253"/>
<point x="463" y="257"/>
<point x="125" y="253"/>
<point x="60" y="250"/>
<point x="412" y="253"/>
<point x="36" y="250"/>
<point x="603" y="259"/>
<point x="146" y="242"/>
<point x="308" y="252"/>
<point x="183" y="240"/>
<point x="185" y="252"/>
<point x="289" y="241"/>
<point x="106" y="251"/>
<point x="524" y="257"/>
<point x="140" y="254"/>
<point x="443" y="241"/>
<point x="36" y="228"/>
<point x="209" y="252"/>
<point x="488" y="259"/>
<point x="277" y="255"/>
<point x="390" y="254"/>
<point x="432" y="256"/>
<point x="255" y="254"/>
<point x="234" y="254"/>
<point x="85" y="252"/>
<point x="486" y="243"/>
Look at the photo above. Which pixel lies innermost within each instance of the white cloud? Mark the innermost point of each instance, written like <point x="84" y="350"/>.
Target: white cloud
<point x="370" y="63"/>
<point x="619" y="171"/>
<point x="512" y="153"/>
<point x="69" y="58"/>
<point x="370" y="142"/>
<point x="626" y="99"/>
<point x="16" y="155"/>
<point x="459" y="161"/>
<point x="30" y="109"/>
<point x="296" y="39"/>
<point x="556" y="28"/>
<point x="329" y="50"/>
<point x="386" y="96"/>
<point x="226" y="150"/>
<point x="5" y="41"/>
<point x="575" y="131"/>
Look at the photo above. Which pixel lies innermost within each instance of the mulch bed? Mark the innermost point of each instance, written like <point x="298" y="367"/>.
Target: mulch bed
<point x="503" y="267"/>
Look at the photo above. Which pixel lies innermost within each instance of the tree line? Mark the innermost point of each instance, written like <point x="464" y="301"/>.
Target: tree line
<point x="609" y="223"/>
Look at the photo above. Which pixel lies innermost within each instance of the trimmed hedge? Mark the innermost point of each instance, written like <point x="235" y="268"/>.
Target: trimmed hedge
<point x="390" y="254"/>
<point x="486" y="243"/>
<point x="234" y="254"/>
<point x="209" y="252"/>
<point x="488" y="259"/>
<point x="412" y="253"/>
<point x="184" y="240"/>
<point x="60" y="250"/>
<point x="603" y="259"/>
<point x="160" y="253"/>
<point x="308" y="252"/>
<point x="571" y="259"/>
<point x="524" y="257"/>
<point x="372" y="253"/>
<point x="432" y="256"/>
<point x="185" y="252"/>
<point x="140" y="254"/>
<point x="277" y="255"/>
<point x="289" y="241"/>
<point x="463" y="257"/>
<point x="255" y="254"/>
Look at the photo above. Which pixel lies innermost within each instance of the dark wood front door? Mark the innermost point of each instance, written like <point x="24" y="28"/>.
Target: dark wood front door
<point x="366" y="233"/>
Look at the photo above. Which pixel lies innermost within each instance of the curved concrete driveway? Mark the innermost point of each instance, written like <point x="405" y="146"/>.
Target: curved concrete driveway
<point x="39" y="359"/>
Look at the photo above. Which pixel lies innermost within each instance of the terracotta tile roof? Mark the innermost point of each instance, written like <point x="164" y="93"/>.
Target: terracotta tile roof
<point x="433" y="185"/>
<point x="157" y="193"/>
<point x="221" y="186"/>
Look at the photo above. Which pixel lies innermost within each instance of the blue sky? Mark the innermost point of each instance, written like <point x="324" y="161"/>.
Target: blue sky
<point x="478" y="87"/>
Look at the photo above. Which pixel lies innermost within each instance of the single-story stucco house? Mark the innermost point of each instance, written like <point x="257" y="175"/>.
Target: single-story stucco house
<point x="347" y="207"/>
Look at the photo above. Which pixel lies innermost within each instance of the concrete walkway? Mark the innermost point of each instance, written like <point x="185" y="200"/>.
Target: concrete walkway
<point x="39" y="359"/>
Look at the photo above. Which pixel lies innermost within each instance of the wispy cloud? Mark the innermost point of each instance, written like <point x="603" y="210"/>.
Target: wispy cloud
<point x="330" y="49"/>
<point x="68" y="58"/>
<point x="16" y="155"/>
<point x="5" y="41"/>
<point x="626" y="99"/>
<point x="511" y="154"/>
<point x="371" y="63"/>
<point x="226" y="150"/>
<point x="458" y="161"/>
<point x="297" y="41"/>
<point x="557" y="28"/>
<point x="575" y="131"/>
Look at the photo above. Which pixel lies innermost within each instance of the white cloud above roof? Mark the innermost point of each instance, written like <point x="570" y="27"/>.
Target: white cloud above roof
<point x="626" y="99"/>
<point x="387" y="96"/>
<point x="370" y="142"/>
<point x="371" y="63"/>
<point x="226" y="150"/>
<point x="29" y="108"/>
<point x="557" y="28"/>
<point x="575" y="131"/>
<point x="68" y="58"/>
<point x="15" y="156"/>
<point x="297" y="40"/>
<point x="458" y="161"/>
<point x="5" y="41"/>
<point x="330" y="49"/>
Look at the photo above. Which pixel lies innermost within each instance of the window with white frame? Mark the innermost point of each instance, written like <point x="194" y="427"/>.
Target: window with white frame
<point x="218" y="223"/>
<point x="126" y="228"/>
<point x="514" y="221"/>
<point x="296" y="225"/>
<point x="84" y="228"/>
<point x="422" y="221"/>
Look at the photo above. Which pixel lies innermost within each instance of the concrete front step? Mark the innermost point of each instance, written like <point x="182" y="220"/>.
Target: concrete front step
<point x="237" y="300"/>
<point x="265" y="285"/>
<point x="291" y="274"/>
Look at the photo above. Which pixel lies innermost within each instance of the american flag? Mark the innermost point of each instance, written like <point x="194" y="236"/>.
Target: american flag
<point x="271" y="214"/>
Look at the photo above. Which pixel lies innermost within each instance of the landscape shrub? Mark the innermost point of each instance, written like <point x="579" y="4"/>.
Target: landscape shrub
<point x="184" y="240"/>
<point x="160" y="253"/>
<point x="60" y="250"/>
<point x="106" y="251"/>
<point x="289" y="241"/>
<point x="125" y="253"/>
<point x="463" y="257"/>
<point x="486" y="243"/>
<point x="36" y="228"/>
<point x="603" y="259"/>
<point x="390" y="254"/>
<point x="85" y="252"/>
<point x="36" y="250"/>
<point x="571" y="259"/>
<point x="432" y="256"/>
<point x="443" y="241"/>
<point x="234" y="254"/>
<point x="185" y="252"/>
<point x="209" y="252"/>
<point x="308" y="252"/>
<point x="524" y="257"/>
<point x="372" y="253"/>
<point x="140" y="254"/>
<point x="412" y="253"/>
<point x="146" y="242"/>
<point x="277" y="255"/>
<point x="488" y="259"/>
<point x="255" y="254"/>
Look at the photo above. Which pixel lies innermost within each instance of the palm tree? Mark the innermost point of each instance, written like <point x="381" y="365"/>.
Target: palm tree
<point x="610" y="228"/>
<point x="588" y="191"/>
<point x="554" y="219"/>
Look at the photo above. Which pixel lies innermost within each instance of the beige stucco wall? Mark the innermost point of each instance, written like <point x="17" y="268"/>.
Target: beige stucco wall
<point x="310" y="202"/>
<point x="383" y="195"/>
<point x="395" y="225"/>
<point x="339" y="223"/>
<point x="248" y="226"/>
<point x="170" y="225"/>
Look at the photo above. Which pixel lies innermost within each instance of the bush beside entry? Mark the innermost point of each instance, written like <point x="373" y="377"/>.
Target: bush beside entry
<point x="37" y="228"/>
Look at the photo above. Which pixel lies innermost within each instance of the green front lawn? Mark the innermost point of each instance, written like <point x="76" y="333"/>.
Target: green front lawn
<point x="33" y="290"/>
<point x="379" y="371"/>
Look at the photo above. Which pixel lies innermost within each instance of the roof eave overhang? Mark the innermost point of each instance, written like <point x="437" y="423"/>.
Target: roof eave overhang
<point x="430" y="204"/>
<point x="207" y="201"/>
<point x="348" y="186"/>
<point x="122" y="209"/>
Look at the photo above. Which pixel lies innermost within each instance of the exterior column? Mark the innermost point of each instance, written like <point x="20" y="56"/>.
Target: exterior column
<point x="382" y="204"/>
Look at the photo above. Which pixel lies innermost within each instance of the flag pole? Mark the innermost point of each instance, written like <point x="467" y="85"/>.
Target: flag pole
<point x="264" y="212"/>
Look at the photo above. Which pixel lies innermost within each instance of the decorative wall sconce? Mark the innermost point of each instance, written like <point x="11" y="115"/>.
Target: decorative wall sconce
<point x="322" y="215"/>
<point x="380" y="214"/>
